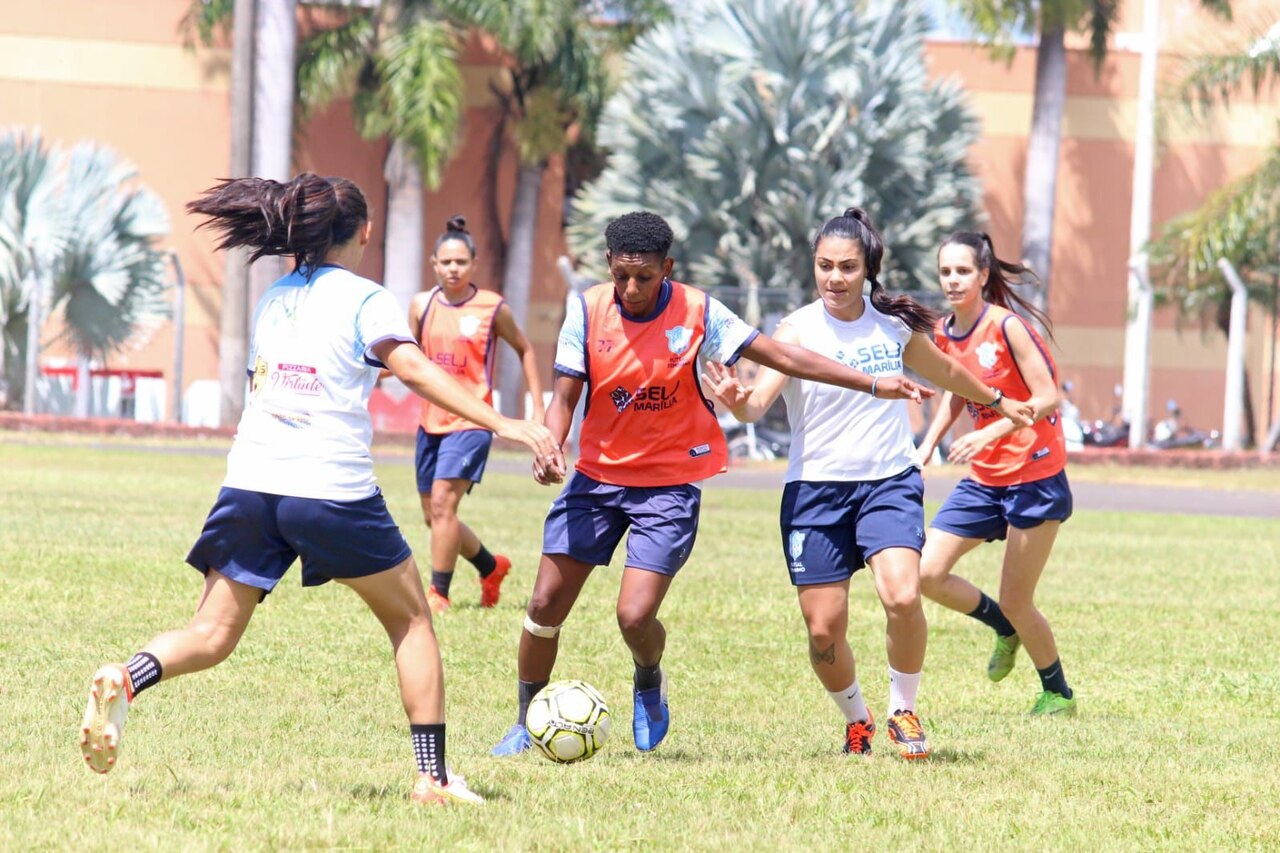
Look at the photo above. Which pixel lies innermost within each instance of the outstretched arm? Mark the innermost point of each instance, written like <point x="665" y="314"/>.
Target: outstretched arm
<point x="749" y="402"/>
<point x="923" y="356"/>
<point x="806" y="364"/>
<point x="428" y="380"/>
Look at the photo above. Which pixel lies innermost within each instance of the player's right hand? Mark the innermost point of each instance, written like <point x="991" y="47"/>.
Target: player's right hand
<point x="548" y="458"/>
<point x="724" y="385"/>
<point x="901" y="388"/>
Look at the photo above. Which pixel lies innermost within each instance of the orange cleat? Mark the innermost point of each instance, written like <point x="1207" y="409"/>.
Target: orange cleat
<point x="437" y="602"/>
<point x="905" y="731"/>
<point x="857" y="736"/>
<point x="492" y="585"/>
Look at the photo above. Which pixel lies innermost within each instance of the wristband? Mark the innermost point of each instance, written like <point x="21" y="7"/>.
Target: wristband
<point x="996" y="401"/>
<point x="874" y="380"/>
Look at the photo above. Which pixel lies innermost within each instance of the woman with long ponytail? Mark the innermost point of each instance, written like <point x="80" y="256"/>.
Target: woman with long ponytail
<point x="854" y="495"/>
<point x="300" y="481"/>
<point x="1017" y="485"/>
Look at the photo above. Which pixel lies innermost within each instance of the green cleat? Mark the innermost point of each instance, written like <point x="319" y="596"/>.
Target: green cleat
<point x="1049" y="704"/>
<point x="1001" y="663"/>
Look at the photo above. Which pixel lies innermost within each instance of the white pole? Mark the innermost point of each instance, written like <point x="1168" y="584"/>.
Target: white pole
<point x="1137" y="339"/>
<point x="1233" y="405"/>
<point x="179" y="332"/>
<point x="35" y="317"/>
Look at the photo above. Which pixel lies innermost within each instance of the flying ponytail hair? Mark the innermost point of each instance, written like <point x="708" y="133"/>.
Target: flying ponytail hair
<point x="1002" y="277"/>
<point x="456" y="229"/>
<point x="303" y="218"/>
<point x="854" y="224"/>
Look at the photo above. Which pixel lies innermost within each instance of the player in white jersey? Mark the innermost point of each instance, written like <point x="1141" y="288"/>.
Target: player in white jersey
<point x="854" y="495"/>
<point x="300" y="478"/>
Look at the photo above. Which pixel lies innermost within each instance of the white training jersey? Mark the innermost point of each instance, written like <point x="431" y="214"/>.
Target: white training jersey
<point x="843" y="435"/>
<point x="306" y="430"/>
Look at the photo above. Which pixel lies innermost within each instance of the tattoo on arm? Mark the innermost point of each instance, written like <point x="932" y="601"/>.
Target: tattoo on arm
<point x="825" y="656"/>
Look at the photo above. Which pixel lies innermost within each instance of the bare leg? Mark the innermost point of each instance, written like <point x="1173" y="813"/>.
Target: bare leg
<point x="1025" y="557"/>
<point x="221" y="616"/>
<point x="825" y="607"/>
<point x="396" y="597"/>
<point x="449" y="536"/>
<point x="942" y="551"/>
<point x="556" y="589"/>
<point x="639" y="598"/>
<point x="897" y="576"/>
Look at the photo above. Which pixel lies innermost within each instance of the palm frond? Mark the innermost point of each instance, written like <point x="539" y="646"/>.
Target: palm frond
<point x="331" y="61"/>
<point x="1217" y="77"/>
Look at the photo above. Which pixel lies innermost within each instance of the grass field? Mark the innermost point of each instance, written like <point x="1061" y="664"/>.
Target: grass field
<point x="1168" y="627"/>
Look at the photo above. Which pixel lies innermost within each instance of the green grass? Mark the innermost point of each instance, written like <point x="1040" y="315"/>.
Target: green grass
<point x="1167" y="626"/>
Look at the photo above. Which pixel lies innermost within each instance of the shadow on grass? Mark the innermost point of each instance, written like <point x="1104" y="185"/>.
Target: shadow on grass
<point x="951" y="755"/>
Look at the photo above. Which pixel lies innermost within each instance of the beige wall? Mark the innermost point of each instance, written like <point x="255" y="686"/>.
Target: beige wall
<point x="117" y="73"/>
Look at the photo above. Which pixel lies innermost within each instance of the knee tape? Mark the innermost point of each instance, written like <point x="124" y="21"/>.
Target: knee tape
<point x="540" y="630"/>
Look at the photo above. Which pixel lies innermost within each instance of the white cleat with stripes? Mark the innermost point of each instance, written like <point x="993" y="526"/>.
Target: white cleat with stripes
<point x="109" y="698"/>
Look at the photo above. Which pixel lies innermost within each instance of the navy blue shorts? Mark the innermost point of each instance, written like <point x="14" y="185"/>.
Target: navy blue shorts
<point x="588" y="518"/>
<point x="253" y="538"/>
<point x="975" y="511"/>
<point x="831" y="529"/>
<point x="452" y="456"/>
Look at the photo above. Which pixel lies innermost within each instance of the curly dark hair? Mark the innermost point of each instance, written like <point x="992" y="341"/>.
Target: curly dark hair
<point x="639" y="233"/>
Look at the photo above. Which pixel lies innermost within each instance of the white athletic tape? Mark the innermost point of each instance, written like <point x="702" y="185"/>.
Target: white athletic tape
<point x="540" y="630"/>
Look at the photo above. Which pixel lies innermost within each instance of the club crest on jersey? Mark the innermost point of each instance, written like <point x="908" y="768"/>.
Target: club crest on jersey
<point x="986" y="352"/>
<point x="468" y="326"/>
<point x="621" y="398"/>
<point x="678" y="339"/>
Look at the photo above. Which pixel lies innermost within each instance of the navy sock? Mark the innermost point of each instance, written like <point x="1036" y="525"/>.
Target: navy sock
<point x="648" y="677"/>
<point x="528" y="689"/>
<point x="989" y="613"/>
<point x="144" y="671"/>
<point x="428" y="750"/>
<point x="1054" y="680"/>
<point x="441" y="580"/>
<point x="484" y="562"/>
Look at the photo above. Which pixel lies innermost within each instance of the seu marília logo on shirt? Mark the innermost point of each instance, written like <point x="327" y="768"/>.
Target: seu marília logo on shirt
<point x="650" y="398"/>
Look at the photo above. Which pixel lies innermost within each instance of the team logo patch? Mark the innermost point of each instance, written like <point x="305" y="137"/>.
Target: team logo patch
<point x="795" y="547"/>
<point x="678" y="339"/>
<point x="621" y="398"/>
<point x="987" y="352"/>
<point x="468" y="326"/>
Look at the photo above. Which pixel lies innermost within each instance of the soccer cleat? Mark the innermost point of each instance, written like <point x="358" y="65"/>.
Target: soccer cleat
<point x="1050" y="704"/>
<point x="650" y="716"/>
<point x="491" y="586"/>
<point x="1002" y="658"/>
<point x="109" y="698"/>
<point x="437" y="602"/>
<point x="905" y="731"/>
<point x="514" y="742"/>
<point x="430" y="792"/>
<point x="857" y="736"/>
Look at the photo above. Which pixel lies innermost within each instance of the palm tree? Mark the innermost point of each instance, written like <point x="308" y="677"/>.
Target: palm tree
<point x="765" y="118"/>
<point x="550" y="91"/>
<point x="1241" y="220"/>
<point x="1000" y="23"/>
<point x="87" y="235"/>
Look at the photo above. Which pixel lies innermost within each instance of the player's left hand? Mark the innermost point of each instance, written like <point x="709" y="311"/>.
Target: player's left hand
<point x="901" y="388"/>
<point x="964" y="448"/>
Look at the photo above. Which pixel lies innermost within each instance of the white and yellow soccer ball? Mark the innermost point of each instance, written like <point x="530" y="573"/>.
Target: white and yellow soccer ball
<point x="568" y="721"/>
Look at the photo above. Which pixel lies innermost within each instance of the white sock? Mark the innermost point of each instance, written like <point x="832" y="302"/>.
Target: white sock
<point x="902" y="690"/>
<point x="850" y="703"/>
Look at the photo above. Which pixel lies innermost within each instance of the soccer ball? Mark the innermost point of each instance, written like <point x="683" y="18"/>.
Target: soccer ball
<point x="568" y="721"/>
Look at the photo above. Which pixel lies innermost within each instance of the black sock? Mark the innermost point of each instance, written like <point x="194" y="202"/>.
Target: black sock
<point x="428" y="750"/>
<point x="648" y="677"/>
<point x="440" y="581"/>
<point x="144" y="671"/>
<point x="989" y="613"/>
<point x="528" y="689"/>
<point x="1054" y="680"/>
<point x="484" y="562"/>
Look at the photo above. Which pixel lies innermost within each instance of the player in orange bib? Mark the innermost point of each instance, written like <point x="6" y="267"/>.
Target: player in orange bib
<point x="458" y="326"/>
<point x="649" y="437"/>
<point x="1017" y="485"/>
